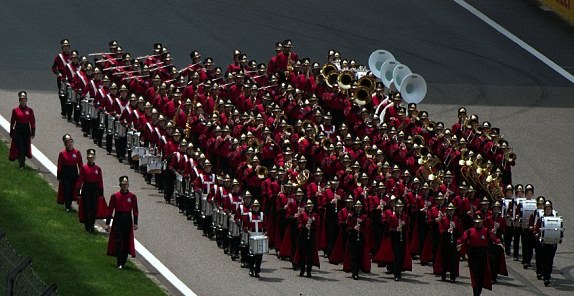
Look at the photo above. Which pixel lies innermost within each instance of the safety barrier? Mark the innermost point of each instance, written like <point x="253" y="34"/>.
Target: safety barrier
<point x="17" y="277"/>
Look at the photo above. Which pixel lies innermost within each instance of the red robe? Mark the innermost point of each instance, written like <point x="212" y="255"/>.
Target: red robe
<point x="21" y="115"/>
<point x="122" y="202"/>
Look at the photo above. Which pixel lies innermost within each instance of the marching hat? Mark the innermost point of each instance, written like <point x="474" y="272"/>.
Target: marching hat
<point x="65" y="42"/>
<point x="309" y="203"/>
<point x="519" y="188"/>
<point x="548" y="204"/>
<point x="451" y="207"/>
<point x="124" y="180"/>
<point x="67" y="138"/>
<point x="477" y="219"/>
<point x="113" y="44"/>
<point x="496" y="205"/>
<point x="484" y="201"/>
<point x="540" y="200"/>
<point x="207" y="163"/>
<point x="299" y="192"/>
<point x="529" y="187"/>
<point x="358" y="204"/>
<point x="461" y="110"/>
<point x="399" y="204"/>
<point x="91" y="152"/>
<point x="22" y="95"/>
<point x="255" y="203"/>
<point x="509" y="187"/>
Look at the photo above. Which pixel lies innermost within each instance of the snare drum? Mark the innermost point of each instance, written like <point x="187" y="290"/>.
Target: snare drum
<point x="142" y="159"/>
<point x="70" y="97"/>
<point x="120" y="130"/>
<point x="178" y="184"/>
<point x="92" y="111"/>
<point x="244" y="238"/>
<point x="234" y="230"/>
<point x="130" y="136"/>
<point x="224" y="220"/>
<point x="154" y="165"/>
<point x="258" y="244"/>
<point x="551" y="230"/>
<point x="136" y="139"/>
<point x="102" y="117"/>
<point x="84" y="108"/>
<point x="110" y="119"/>
<point x="197" y="195"/>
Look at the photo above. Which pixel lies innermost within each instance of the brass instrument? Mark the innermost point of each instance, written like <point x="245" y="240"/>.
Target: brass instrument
<point x="451" y="230"/>
<point x="262" y="172"/>
<point x="325" y="143"/>
<point x="400" y="229"/>
<point x="289" y="129"/>
<point x="289" y="63"/>
<point x="328" y="69"/>
<point x="368" y="82"/>
<point x="358" y="228"/>
<point x="302" y="178"/>
<point x="345" y="79"/>
<point x="308" y="226"/>
<point x="332" y="79"/>
<point x="256" y="144"/>
<point x="362" y="96"/>
<point x="510" y="156"/>
<point x="419" y="140"/>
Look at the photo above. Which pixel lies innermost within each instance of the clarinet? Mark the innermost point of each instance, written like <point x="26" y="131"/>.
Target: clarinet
<point x="309" y="222"/>
<point x="358" y="228"/>
<point x="451" y="230"/>
<point x="400" y="230"/>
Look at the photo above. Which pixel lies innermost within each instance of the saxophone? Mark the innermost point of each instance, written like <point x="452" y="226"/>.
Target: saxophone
<point x="289" y="63"/>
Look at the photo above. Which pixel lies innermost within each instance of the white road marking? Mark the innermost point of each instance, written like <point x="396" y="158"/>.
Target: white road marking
<point x="516" y="40"/>
<point x="149" y="257"/>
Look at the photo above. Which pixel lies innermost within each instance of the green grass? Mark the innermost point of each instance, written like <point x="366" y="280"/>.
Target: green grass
<point x="61" y="251"/>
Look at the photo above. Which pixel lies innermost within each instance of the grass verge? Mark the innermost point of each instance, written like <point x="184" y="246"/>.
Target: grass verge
<point x="61" y="251"/>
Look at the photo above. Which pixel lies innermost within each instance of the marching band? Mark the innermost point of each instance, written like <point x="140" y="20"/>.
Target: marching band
<point x="295" y="157"/>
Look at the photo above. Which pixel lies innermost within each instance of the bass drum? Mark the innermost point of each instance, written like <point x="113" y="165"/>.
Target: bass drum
<point x="551" y="230"/>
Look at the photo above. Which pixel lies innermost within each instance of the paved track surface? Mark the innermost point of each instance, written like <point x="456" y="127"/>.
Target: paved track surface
<point x="465" y="62"/>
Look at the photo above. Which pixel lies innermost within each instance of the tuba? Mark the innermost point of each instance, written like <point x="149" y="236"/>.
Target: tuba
<point x="328" y="69"/>
<point x="302" y="178"/>
<point x="325" y="143"/>
<point x="362" y="96"/>
<point x="262" y="172"/>
<point x="368" y="82"/>
<point x="345" y="79"/>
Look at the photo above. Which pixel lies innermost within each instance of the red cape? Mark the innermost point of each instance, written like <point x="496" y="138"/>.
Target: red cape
<point x="112" y="242"/>
<point x="278" y="238"/>
<point x="385" y="254"/>
<point x="414" y="241"/>
<point x="365" y="265"/>
<point x="322" y="237"/>
<point x="437" y="266"/>
<point x="271" y="228"/>
<point x="338" y="253"/>
<point x="315" y="254"/>
<point x="60" y="195"/>
<point x="426" y="256"/>
<point x="101" y="212"/>
<point x="285" y="250"/>
<point x="13" y="154"/>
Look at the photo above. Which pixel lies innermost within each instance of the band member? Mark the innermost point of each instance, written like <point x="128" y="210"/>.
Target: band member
<point x="358" y="255"/>
<point x="69" y="164"/>
<point x="475" y="241"/>
<point x="22" y="131"/>
<point x="307" y="252"/>
<point x="397" y="221"/>
<point x="91" y="183"/>
<point x="548" y="251"/>
<point x="540" y="201"/>
<point x="61" y="60"/>
<point x="527" y="234"/>
<point x="447" y="256"/>
<point x="121" y="241"/>
<point x="254" y="225"/>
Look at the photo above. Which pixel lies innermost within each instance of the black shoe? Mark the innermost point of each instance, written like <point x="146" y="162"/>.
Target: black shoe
<point x="121" y="160"/>
<point x="251" y="273"/>
<point x="308" y="274"/>
<point x="85" y="134"/>
<point x="301" y="274"/>
<point x="257" y="275"/>
<point x="539" y="276"/>
<point x="546" y="283"/>
<point x="453" y="281"/>
<point x="516" y="259"/>
<point x="507" y="253"/>
<point x="355" y="277"/>
<point x="396" y="279"/>
<point x="494" y="281"/>
<point x="108" y="153"/>
<point x="389" y="272"/>
<point x="443" y="278"/>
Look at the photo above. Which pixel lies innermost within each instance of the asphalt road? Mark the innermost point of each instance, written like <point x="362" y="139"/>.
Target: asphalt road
<point x="465" y="63"/>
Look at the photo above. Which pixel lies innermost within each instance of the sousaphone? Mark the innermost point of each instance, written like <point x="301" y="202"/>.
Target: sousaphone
<point x="387" y="72"/>
<point x="399" y="73"/>
<point x="413" y="88"/>
<point x="377" y="59"/>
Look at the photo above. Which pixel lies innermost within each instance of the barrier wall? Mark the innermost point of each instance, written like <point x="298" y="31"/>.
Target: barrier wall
<point x="564" y="8"/>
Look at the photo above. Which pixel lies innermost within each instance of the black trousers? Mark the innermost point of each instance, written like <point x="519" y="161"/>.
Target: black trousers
<point x="356" y="251"/>
<point x="121" y="146"/>
<point x="90" y="195"/>
<point x="306" y="245"/>
<point x="399" y="245"/>
<point x="477" y="263"/>
<point x="527" y="246"/>
<point x="22" y="139"/>
<point x="508" y="236"/>
<point x="539" y="257"/>
<point x="255" y="262"/>
<point x="169" y="187"/>
<point x="548" y="253"/>
<point x="494" y="257"/>
<point x="122" y="230"/>
<point x="109" y="142"/>
<point x="449" y="255"/>
<point x="68" y="184"/>
<point x="331" y="228"/>
<point x="516" y="241"/>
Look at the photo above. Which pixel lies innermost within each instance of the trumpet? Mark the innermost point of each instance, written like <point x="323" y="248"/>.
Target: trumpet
<point x="262" y="172"/>
<point x="302" y="178"/>
<point x="358" y="228"/>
